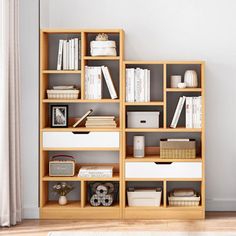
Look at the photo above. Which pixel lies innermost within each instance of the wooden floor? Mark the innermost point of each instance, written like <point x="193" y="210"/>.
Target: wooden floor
<point x="217" y="221"/>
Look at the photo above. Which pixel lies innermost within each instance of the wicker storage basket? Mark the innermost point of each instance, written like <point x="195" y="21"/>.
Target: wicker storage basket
<point x="177" y="149"/>
<point x="63" y="94"/>
<point x="184" y="201"/>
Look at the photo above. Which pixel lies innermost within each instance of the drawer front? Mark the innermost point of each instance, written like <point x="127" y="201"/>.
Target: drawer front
<point x="163" y="170"/>
<point x="86" y="140"/>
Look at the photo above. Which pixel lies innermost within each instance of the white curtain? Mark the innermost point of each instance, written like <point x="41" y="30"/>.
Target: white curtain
<point x="10" y="184"/>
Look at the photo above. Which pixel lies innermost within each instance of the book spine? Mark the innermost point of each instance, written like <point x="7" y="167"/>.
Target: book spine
<point x="142" y="86"/>
<point x="67" y="55"/>
<point x="64" y="54"/>
<point x="109" y="82"/>
<point x="145" y="85"/>
<point x="76" y="54"/>
<point x="72" y="54"/>
<point x="194" y="113"/>
<point x="189" y="112"/>
<point x="59" y="58"/>
<point x="132" y="84"/>
<point x="137" y="86"/>
<point x="199" y="112"/>
<point x="127" y="85"/>
<point x="177" y="112"/>
<point x="148" y="86"/>
<point x="99" y="82"/>
<point x="79" y="49"/>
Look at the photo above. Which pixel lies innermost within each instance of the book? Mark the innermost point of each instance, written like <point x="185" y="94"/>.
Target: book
<point x="64" y="55"/>
<point x="76" y="54"/>
<point x="109" y="82"/>
<point x="82" y="118"/>
<point x="189" y="112"/>
<point x="178" y="111"/>
<point x="96" y="172"/>
<point x="59" y="57"/>
<point x="130" y="73"/>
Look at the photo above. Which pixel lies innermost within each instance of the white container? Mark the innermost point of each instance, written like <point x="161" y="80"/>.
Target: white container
<point x="144" y="198"/>
<point x="143" y="119"/>
<point x="175" y="80"/>
<point x="63" y="94"/>
<point x="163" y="170"/>
<point x="81" y="140"/>
<point x="190" y="78"/>
<point x="103" y="48"/>
<point x="139" y="146"/>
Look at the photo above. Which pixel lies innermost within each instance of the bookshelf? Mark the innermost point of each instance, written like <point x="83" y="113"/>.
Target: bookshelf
<point x="163" y="99"/>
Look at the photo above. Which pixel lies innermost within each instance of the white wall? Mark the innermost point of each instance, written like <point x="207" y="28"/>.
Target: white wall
<point x="158" y="30"/>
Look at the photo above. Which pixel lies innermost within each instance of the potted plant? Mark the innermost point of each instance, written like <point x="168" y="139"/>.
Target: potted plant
<point x="62" y="189"/>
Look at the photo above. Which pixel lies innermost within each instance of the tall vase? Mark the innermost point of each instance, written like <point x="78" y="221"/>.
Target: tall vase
<point x="62" y="200"/>
<point x="190" y="78"/>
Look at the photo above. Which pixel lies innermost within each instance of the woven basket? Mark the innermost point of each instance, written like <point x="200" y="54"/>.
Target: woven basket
<point x="177" y="149"/>
<point x="63" y="94"/>
<point x="184" y="201"/>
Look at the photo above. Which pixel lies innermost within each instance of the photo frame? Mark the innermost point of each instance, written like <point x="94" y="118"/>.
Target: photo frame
<point x="59" y="116"/>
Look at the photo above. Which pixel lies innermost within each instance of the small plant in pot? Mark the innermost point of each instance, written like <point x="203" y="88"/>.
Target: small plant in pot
<point x="62" y="189"/>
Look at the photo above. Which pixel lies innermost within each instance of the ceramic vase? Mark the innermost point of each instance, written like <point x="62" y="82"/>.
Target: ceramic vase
<point x="190" y="78"/>
<point x="62" y="200"/>
<point x="175" y="80"/>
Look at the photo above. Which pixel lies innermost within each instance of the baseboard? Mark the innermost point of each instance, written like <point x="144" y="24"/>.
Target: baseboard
<point x="30" y="213"/>
<point x="218" y="204"/>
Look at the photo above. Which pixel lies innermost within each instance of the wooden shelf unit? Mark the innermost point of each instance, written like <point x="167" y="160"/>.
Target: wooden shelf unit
<point x="80" y="209"/>
<point x="49" y="39"/>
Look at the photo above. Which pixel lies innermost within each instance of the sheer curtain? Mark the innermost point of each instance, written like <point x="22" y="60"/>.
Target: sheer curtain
<point x="10" y="184"/>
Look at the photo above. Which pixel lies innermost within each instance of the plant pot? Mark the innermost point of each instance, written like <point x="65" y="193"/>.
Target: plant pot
<point x="62" y="200"/>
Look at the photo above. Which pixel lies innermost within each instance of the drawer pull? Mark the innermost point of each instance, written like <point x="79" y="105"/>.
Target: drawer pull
<point x="143" y="121"/>
<point x="163" y="163"/>
<point x="81" y="132"/>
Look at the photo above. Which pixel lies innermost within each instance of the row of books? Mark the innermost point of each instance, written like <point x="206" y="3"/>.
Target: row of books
<point x="137" y="85"/>
<point x="101" y="122"/>
<point x="69" y="52"/>
<point x="193" y="111"/>
<point x="93" y="82"/>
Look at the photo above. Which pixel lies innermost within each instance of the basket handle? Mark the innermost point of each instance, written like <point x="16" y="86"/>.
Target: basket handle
<point x="62" y="155"/>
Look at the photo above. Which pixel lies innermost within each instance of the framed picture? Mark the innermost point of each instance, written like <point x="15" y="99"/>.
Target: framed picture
<point x="59" y="116"/>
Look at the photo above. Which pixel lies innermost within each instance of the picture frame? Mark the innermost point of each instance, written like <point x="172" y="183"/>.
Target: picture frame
<point x="59" y="116"/>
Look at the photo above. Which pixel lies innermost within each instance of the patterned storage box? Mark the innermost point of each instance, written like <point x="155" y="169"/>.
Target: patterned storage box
<point x="177" y="149"/>
<point x="184" y="201"/>
<point x="63" y="94"/>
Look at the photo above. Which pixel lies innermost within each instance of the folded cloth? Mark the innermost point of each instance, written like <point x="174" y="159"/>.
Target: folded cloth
<point x="183" y="192"/>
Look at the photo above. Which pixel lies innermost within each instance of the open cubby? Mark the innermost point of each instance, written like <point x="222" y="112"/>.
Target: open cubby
<point x="172" y="101"/>
<point x="53" y="44"/>
<point x="91" y="36"/>
<point x="179" y="69"/>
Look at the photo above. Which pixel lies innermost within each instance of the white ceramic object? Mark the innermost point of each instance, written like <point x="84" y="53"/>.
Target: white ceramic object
<point x="190" y="78"/>
<point x="139" y="146"/>
<point x="182" y="85"/>
<point x="62" y="200"/>
<point x="175" y="80"/>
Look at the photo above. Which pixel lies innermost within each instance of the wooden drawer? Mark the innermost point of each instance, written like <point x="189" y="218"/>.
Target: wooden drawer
<point x="79" y="139"/>
<point x="163" y="170"/>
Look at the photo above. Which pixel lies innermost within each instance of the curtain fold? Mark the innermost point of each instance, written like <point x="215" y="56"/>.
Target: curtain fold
<point x="10" y="179"/>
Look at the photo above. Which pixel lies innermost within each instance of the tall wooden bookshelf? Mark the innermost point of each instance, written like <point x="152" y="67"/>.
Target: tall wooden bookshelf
<point x="163" y="99"/>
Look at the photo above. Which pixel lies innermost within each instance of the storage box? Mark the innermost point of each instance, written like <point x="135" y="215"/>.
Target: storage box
<point x="177" y="149"/>
<point x="63" y="94"/>
<point x="144" y="197"/>
<point x="143" y="119"/>
<point x="184" y="201"/>
<point x="62" y="168"/>
<point x="103" y="48"/>
<point x="163" y="170"/>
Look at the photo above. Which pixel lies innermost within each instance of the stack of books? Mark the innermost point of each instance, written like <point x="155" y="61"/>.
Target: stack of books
<point x="93" y="82"/>
<point x="69" y="52"/>
<point x="101" y="122"/>
<point x="96" y="172"/>
<point x="137" y="85"/>
<point x="193" y="108"/>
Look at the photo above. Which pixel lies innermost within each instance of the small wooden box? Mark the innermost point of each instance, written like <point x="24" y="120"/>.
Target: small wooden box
<point x="62" y="168"/>
<point x="177" y="149"/>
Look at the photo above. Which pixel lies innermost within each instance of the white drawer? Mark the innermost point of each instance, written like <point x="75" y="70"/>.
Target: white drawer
<point x="76" y="139"/>
<point x="163" y="170"/>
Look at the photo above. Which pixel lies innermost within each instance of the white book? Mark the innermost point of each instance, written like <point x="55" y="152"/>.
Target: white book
<point x="189" y="112"/>
<point x="76" y="54"/>
<point x="137" y="85"/>
<point x="79" y="49"/>
<point x="177" y="112"/>
<point x="130" y="77"/>
<point x="148" y="86"/>
<point x="194" y="112"/>
<point x="99" y="82"/>
<point x="64" y="55"/>
<point x="68" y="55"/>
<point x="198" y="112"/>
<point x="142" y="85"/>
<point x="59" y="57"/>
<point x="72" y="54"/>
<point x="109" y="82"/>
<point x="127" y="85"/>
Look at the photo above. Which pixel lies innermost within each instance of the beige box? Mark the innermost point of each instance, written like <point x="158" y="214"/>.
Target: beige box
<point x="62" y="168"/>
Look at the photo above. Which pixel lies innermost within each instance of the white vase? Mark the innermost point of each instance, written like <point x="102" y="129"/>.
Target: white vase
<point x="175" y="80"/>
<point x="62" y="200"/>
<point x="190" y="78"/>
